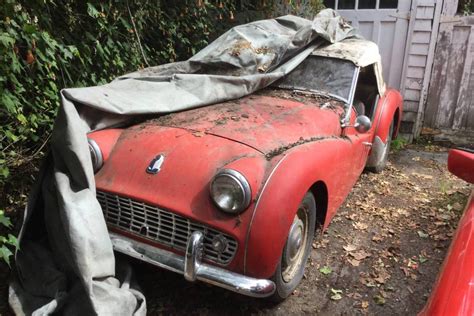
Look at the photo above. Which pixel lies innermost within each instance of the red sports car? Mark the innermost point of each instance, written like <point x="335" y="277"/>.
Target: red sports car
<point x="231" y="194"/>
<point x="453" y="293"/>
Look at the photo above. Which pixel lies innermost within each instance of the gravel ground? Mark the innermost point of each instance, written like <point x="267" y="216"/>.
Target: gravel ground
<point x="380" y="255"/>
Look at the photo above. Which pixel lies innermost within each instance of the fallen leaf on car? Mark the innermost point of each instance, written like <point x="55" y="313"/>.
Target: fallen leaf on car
<point x="199" y="134"/>
<point x="336" y="294"/>
<point x="325" y="270"/>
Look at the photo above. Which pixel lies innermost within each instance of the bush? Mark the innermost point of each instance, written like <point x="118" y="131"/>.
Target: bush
<point x="48" y="45"/>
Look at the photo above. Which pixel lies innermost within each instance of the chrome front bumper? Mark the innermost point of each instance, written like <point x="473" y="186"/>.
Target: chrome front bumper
<point x="191" y="265"/>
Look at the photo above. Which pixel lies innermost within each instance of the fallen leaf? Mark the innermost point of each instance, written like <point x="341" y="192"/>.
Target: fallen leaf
<point x="422" y="234"/>
<point x="350" y="248"/>
<point x="325" y="270"/>
<point x="377" y="238"/>
<point x="364" y="304"/>
<point x="354" y="262"/>
<point x="379" y="300"/>
<point x="359" y="255"/>
<point x="199" y="134"/>
<point x="360" y="226"/>
<point x="336" y="294"/>
<point x="382" y="277"/>
<point x="412" y="264"/>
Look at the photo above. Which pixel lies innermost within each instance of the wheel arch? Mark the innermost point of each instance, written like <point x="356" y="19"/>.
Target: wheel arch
<point x="396" y="120"/>
<point x="313" y="167"/>
<point x="320" y="193"/>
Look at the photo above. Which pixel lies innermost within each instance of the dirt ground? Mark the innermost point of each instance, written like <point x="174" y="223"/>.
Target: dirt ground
<point x="380" y="255"/>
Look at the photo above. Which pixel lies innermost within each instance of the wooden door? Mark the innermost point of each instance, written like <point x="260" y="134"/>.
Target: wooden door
<point x="384" y="22"/>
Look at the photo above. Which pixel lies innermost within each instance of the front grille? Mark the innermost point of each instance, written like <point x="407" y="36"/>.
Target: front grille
<point x="161" y="226"/>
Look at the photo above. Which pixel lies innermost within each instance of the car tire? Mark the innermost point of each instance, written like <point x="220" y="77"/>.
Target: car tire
<point x="380" y="166"/>
<point x="290" y="269"/>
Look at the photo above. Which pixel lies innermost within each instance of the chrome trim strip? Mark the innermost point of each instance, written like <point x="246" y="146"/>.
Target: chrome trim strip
<point x="255" y="210"/>
<point x="346" y="119"/>
<point x="204" y="272"/>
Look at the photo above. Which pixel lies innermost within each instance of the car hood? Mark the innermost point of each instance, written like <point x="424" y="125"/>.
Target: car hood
<point x="196" y="144"/>
<point x="270" y="122"/>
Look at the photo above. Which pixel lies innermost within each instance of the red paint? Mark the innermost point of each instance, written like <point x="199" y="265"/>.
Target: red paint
<point x="281" y="146"/>
<point x="106" y="140"/>
<point x="453" y="293"/>
<point x="461" y="164"/>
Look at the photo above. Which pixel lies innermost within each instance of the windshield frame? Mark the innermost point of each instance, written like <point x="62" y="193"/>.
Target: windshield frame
<point x="347" y="102"/>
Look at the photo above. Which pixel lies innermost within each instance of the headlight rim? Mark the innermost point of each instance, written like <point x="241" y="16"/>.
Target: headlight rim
<point x="98" y="159"/>
<point x="244" y="184"/>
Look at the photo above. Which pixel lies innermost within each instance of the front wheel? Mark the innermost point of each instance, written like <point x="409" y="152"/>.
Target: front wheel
<point x="378" y="163"/>
<point x="297" y="248"/>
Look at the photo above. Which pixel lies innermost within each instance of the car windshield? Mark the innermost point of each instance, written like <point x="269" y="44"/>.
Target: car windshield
<point x="321" y="74"/>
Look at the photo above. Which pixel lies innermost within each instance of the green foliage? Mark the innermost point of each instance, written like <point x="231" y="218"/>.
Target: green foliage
<point x="6" y="242"/>
<point x="272" y="8"/>
<point x="398" y="144"/>
<point x="466" y="7"/>
<point x="48" y="45"/>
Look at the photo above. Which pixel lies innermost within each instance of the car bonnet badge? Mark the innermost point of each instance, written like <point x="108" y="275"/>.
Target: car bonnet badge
<point x="155" y="165"/>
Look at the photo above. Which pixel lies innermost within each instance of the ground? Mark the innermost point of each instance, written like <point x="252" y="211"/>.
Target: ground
<point x="381" y="253"/>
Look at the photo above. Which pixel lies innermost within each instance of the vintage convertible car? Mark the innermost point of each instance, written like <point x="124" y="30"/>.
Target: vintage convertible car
<point x="231" y="194"/>
<point x="453" y="293"/>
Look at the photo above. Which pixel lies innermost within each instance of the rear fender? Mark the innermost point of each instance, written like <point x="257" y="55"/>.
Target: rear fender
<point x="293" y="176"/>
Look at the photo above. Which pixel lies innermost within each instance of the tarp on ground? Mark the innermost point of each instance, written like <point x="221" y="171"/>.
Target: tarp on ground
<point x="66" y="262"/>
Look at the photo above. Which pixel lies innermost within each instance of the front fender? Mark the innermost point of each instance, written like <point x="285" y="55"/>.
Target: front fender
<point x="297" y="170"/>
<point x="392" y="108"/>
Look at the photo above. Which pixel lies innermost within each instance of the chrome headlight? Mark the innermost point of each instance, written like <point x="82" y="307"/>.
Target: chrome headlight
<point x="96" y="155"/>
<point x="230" y="191"/>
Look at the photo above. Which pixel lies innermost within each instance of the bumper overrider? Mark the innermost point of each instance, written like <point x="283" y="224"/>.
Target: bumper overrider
<point x="191" y="266"/>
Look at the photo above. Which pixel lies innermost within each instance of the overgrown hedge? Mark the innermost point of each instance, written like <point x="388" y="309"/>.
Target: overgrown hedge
<point x="47" y="45"/>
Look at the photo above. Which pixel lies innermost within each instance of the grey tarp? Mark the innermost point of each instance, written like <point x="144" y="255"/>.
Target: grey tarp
<point x="66" y="262"/>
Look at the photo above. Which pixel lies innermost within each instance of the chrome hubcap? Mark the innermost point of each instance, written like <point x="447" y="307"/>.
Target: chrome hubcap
<point x="295" y="245"/>
<point x="295" y="239"/>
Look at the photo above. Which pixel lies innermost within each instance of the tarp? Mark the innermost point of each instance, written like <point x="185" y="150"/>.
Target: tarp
<point x="66" y="262"/>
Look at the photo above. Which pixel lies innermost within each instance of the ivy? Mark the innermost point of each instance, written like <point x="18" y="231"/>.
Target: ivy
<point x="48" y="45"/>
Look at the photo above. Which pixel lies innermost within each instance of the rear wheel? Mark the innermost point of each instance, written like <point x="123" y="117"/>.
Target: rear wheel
<point x="297" y="248"/>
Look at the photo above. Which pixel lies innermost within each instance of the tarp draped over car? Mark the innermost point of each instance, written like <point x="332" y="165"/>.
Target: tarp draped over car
<point x="66" y="262"/>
